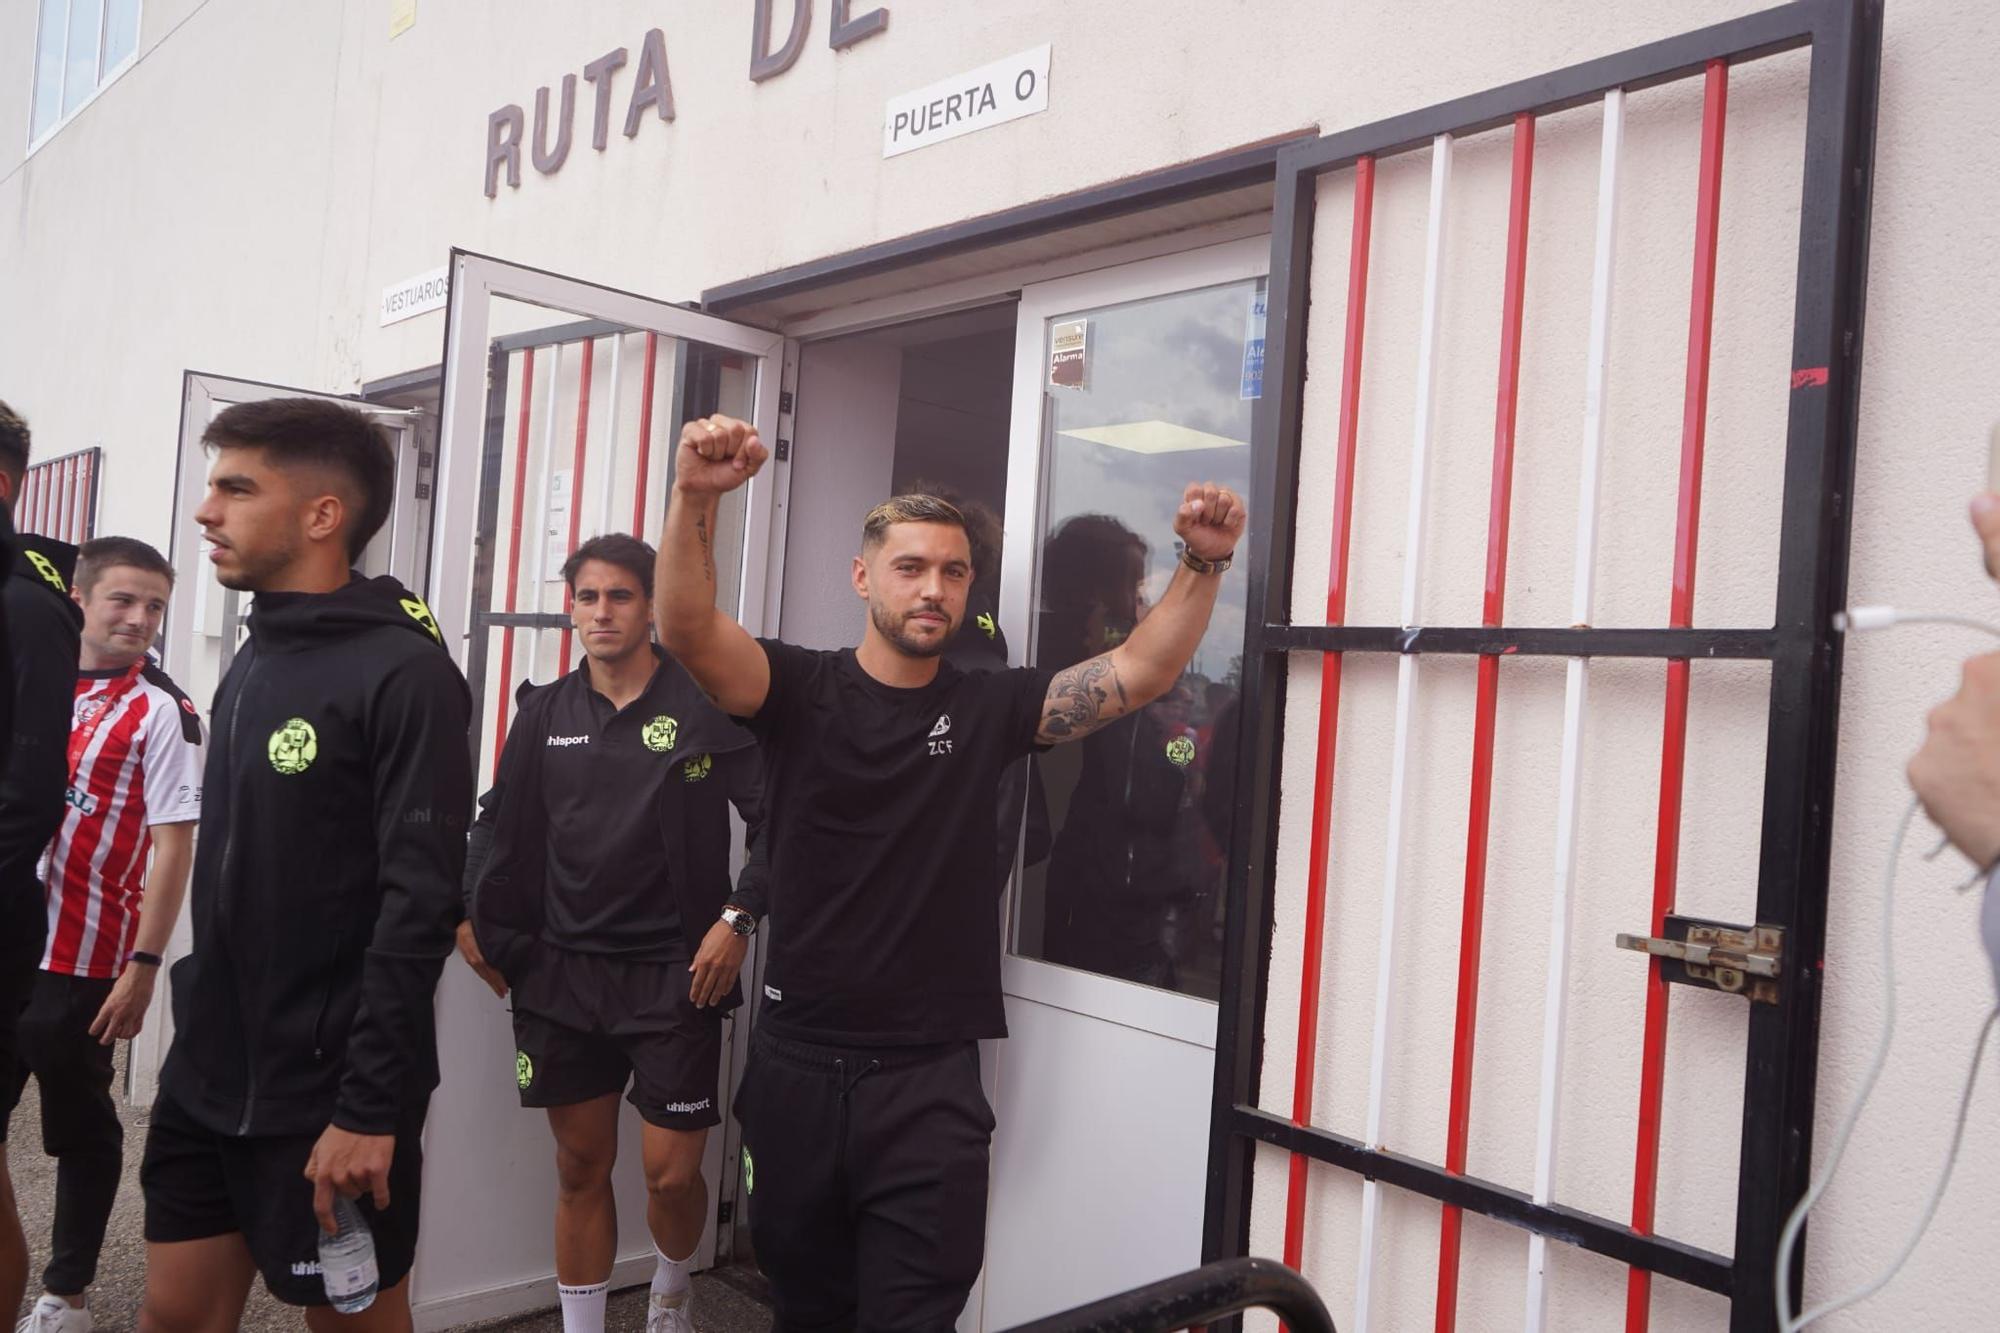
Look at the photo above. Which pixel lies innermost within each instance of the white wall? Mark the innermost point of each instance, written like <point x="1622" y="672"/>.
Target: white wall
<point x="238" y="200"/>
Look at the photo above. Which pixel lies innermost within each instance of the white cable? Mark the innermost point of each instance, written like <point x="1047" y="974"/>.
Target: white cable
<point x="1862" y="618"/>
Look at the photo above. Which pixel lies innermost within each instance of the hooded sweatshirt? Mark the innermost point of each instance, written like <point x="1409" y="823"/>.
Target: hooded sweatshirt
<point x="41" y="644"/>
<point x="325" y="890"/>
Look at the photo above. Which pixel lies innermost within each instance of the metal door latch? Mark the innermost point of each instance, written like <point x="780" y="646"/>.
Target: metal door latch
<point x="1743" y="960"/>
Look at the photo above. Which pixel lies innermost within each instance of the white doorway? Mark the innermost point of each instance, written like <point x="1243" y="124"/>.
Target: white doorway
<point x="1129" y="383"/>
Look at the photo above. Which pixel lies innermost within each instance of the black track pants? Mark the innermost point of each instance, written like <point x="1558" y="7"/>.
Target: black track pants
<point x="867" y="1181"/>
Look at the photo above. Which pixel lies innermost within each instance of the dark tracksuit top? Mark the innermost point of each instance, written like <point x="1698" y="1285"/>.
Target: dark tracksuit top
<point x="42" y="626"/>
<point x="325" y="888"/>
<point x="637" y="868"/>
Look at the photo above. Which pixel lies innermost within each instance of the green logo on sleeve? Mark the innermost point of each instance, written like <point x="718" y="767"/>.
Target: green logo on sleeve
<point x="697" y="768"/>
<point x="414" y="608"/>
<point x="660" y="734"/>
<point x="524" y="1070"/>
<point x="1181" y="751"/>
<point x="293" y="747"/>
<point x="749" y="1173"/>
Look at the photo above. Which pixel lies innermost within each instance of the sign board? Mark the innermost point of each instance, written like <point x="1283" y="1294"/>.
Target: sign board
<point x="415" y="296"/>
<point x="1253" y="345"/>
<point x="555" y="526"/>
<point x="990" y="95"/>
<point x="1069" y="347"/>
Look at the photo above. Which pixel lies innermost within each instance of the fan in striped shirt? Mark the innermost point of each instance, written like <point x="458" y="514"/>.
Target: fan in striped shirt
<point x="127" y="837"/>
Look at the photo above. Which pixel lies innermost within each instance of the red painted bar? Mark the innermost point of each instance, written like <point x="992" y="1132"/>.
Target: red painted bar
<point x="1673" y="746"/>
<point x="645" y="437"/>
<point x="1329" y="698"/>
<point x="1500" y="505"/>
<point x="576" y="482"/>
<point x="514" y="557"/>
<point x="72" y="470"/>
<point x="86" y="499"/>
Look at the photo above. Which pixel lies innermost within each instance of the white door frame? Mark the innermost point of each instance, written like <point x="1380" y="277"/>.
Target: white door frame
<point x="476" y="282"/>
<point x="1183" y="1017"/>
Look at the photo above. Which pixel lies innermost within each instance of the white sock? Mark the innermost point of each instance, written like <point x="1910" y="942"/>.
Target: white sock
<point x="671" y="1277"/>
<point x="583" y="1307"/>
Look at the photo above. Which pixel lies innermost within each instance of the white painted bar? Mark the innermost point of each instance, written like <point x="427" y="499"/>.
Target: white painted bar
<point x="1406" y="690"/>
<point x="1555" y="1003"/>
<point x="609" y="476"/>
<point x="542" y="498"/>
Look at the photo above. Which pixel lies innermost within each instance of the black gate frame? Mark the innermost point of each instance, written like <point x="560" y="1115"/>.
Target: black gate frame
<point x="1802" y="647"/>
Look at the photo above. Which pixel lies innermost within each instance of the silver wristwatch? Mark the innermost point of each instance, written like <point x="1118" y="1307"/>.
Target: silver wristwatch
<point x="740" y="921"/>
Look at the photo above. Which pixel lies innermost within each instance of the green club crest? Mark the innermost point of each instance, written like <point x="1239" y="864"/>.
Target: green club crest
<point x="660" y="734"/>
<point x="697" y="768"/>
<point x="749" y="1173"/>
<point x="1181" y="751"/>
<point x="293" y="747"/>
<point x="524" y="1070"/>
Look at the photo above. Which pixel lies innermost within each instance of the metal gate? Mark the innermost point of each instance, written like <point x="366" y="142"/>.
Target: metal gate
<point x="59" y="497"/>
<point x="1775" y="961"/>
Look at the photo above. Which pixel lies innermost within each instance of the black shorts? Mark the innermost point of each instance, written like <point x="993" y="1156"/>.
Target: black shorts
<point x="200" y="1184"/>
<point x="23" y="931"/>
<point x="586" y="1025"/>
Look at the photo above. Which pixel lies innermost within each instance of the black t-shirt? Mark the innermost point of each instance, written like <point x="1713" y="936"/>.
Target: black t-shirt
<point x="608" y="885"/>
<point x="885" y="920"/>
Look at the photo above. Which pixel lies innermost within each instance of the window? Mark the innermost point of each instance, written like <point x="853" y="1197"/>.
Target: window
<point x="80" y="46"/>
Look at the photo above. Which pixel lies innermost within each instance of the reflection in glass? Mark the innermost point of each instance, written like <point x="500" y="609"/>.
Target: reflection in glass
<point x="1126" y="830"/>
<point x="86" y="19"/>
<point x="48" y="67"/>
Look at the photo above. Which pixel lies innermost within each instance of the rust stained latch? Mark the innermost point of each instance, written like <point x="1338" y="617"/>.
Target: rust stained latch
<point x="1742" y="960"/>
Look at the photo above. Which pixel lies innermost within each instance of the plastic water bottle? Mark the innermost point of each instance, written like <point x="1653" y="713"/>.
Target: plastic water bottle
<point x="347" y="1259"/>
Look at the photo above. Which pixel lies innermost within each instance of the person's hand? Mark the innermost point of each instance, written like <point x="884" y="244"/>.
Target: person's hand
<point x="1210" y="520"/>
<point x="468" y="947"/>
<point x="1957" y="772"/>
<point x="354" y="1164"/>
<point x="123" y="1012"/>
<point x="717" y="454"/>
<point x="716" y="964"/>
<point x="1986" y="522"/>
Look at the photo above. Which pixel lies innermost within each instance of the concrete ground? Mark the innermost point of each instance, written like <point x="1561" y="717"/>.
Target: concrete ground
<point x="727" y="1301"/>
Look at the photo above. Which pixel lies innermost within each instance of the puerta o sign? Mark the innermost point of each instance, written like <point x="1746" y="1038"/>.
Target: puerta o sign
<point x="651" y="89"/>
<point x="980" y="99"/>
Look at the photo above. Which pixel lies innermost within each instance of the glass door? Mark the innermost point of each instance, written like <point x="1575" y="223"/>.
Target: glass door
<point x="1129" y="384"/>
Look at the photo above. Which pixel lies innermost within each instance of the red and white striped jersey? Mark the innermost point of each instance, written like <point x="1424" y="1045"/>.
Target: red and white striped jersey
<point x="134" y="761"/>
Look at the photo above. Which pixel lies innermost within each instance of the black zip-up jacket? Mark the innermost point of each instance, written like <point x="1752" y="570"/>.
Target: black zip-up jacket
<point x="325" y="891"/>
<point x="507" y="869"/>
<point x="42" y="625"/>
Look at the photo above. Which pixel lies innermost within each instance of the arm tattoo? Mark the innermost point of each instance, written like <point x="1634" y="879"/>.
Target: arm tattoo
<point x="1077" y="699"/>
<point x="707" y="555"/>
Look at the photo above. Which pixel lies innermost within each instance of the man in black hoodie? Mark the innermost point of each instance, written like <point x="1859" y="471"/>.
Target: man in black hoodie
<point x="325" y="893"/>
<point x="42" y="626"/>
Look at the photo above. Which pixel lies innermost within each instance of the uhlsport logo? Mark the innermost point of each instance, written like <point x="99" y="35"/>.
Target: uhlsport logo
<point x="697" y="768"/>
<point x="987" y="623"/>
<point x="293" y="747"/>
<point x="660" y="734"/>
<point x="414" y="608"/>
<point x="524" y="1070"/>
<point x="1181" y="751"/>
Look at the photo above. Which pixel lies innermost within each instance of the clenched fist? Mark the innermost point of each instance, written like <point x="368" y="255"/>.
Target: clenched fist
<point x="1210" y="520"/>
<point x="717" y="454"/>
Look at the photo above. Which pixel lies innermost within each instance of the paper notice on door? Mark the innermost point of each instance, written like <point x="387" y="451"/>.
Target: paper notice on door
<point x="402" y="17"/>
<point x="555" y="527"/>
<point x="1068" y="348"/>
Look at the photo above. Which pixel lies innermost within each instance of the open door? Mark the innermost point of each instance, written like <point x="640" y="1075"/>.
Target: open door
<point x="562" y="403"/>
<point x="205" y="620"/>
